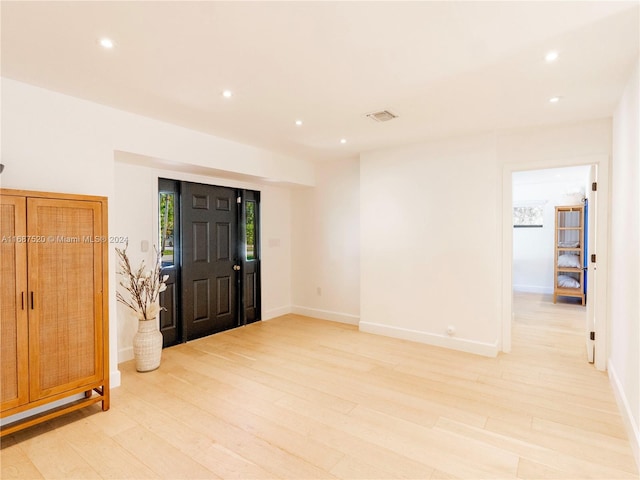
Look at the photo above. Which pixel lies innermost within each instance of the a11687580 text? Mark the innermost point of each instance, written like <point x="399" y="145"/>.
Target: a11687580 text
<point x="64" y="239"/>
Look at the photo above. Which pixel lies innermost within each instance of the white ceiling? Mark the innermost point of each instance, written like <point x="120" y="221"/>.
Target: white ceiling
<point x="445" y="68"/>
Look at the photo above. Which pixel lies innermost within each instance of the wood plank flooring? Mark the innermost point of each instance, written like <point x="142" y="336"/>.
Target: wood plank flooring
<point x="302" y="398"/>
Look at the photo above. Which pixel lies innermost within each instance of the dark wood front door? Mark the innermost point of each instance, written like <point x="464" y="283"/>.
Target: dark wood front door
<point x="209" y="255"/>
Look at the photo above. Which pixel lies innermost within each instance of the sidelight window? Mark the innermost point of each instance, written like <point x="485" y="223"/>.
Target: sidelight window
<point x="167" y="214"/>
<point x="250" y="226"/>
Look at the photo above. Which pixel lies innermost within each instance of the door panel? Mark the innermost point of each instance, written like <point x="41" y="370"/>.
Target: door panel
<point x="201" y="300"/>
<point x="209" y="227"/>
<point x="64" y="354"/>
<point x="223" y="240"/>
<point x="200" y="242"/>
<point x="224" y="295"/>
<point x="168" y="318"/>
<point x="14" y="351"/>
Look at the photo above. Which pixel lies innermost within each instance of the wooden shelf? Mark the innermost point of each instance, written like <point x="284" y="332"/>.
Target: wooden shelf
<point x="569" y="291"/>
<point x="569" y="229"/>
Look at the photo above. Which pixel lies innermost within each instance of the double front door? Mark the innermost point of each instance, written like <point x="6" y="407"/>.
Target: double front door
<point x="209" y="239"/>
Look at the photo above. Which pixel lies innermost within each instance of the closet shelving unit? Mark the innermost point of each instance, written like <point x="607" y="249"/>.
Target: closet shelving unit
<point x="569" y="274"/>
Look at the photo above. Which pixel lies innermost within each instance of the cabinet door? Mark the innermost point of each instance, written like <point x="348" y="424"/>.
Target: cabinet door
<point x="65" y="295"/>
<point x="13" y="309"/>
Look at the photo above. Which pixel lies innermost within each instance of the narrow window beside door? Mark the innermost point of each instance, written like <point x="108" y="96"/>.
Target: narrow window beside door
<point x="251" y="230"/>
<point x="167" y="244"/>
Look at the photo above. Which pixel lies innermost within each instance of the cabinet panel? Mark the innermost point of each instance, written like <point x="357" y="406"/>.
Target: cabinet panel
<point x="13" y="314"/>
<point x="65" y="295"/>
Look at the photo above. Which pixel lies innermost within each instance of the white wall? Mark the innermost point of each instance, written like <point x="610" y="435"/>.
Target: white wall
<point x="624" y="305"/>
<point x="431" y="230"/>
<point x="533" y="253"/>
<point x="277" y="228"/>
<point x="429" y="242"/>
<point x="326" y="242"/>
<point x="53" y="142"/>
<point x="554" y="145"/>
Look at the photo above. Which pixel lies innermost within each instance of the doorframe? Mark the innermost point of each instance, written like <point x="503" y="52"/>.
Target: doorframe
<point x="602" y="242"/>
<point x="177" y="240"/>
<point x="239" y="187"/>
<point x="250" y="195"/>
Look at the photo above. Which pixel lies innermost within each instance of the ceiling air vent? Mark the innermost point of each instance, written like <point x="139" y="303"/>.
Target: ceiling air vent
<point x="381" y="116"/>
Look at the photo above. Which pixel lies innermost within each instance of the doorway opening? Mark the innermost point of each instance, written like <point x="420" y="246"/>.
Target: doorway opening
<point x="550" y="256"/>
<point x="210" y="246"/>
<point x="596" y="307"/>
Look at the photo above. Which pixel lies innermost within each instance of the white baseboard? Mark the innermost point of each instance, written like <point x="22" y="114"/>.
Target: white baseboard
<point x="276" y="312"/>
<point x="114" y="378"/>
<point x="469" y="346"/>
<point x="532" y="289"/>
<point x="125" y="354"/>
<point x="326" y="315"/>
<point x="633" y="430"/>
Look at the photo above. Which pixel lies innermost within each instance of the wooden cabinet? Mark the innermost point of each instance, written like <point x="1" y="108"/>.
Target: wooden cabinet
<point x="54" y="311"/>
<point x="569" y="274"/>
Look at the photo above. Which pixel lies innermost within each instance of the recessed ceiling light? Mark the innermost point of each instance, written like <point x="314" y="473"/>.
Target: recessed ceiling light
<point x="554" y="99"/>
<point x="106" y="42"/>
<point x="227" y="93"/>
<point x="298" y="122"/>
<point x="552" y="56"/>
<point x="343" y="140"/>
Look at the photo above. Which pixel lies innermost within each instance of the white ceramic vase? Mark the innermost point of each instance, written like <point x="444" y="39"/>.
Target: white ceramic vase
<point x="147" y="345"/>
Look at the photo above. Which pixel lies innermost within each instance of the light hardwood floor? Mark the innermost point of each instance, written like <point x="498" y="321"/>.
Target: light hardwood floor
<point x="296" y="398"/>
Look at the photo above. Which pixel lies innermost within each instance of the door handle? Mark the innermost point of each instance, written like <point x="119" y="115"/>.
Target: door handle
<point x="236" y="267"/>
